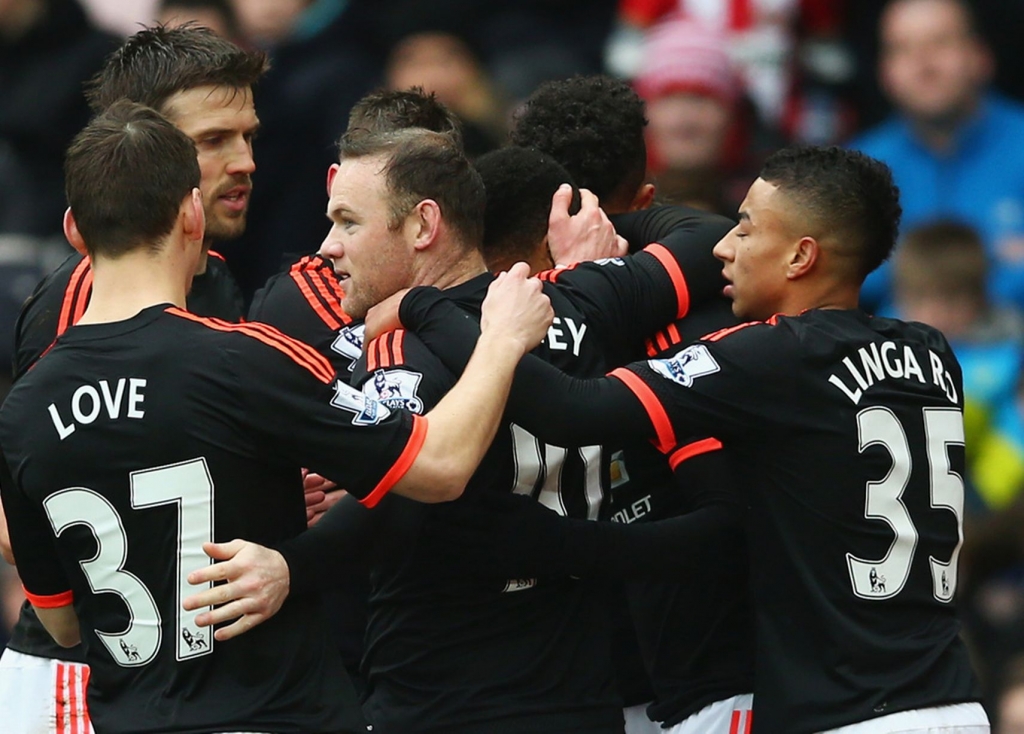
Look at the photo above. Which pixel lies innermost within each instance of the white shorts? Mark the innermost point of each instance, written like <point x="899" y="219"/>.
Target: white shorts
<point x="728" y="716"/>
<point x="960" y="718"/>
<point x="42" y="696"/>
<point x="637" y="721"/>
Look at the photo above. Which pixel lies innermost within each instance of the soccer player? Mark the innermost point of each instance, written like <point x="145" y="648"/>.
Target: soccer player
<point x="594" y="127"/>
<point x="203" y="84"/>
<point x="305" y="300"/>
<point x="147" y="430"/>
<point x="699" y="657"/>
<point x="847" y="432"/>
<point x="539" y="645"/>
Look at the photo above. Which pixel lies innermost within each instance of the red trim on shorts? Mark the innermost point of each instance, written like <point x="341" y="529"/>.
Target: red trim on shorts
<point x="400" y="467"/>
<point x="58" y="696"/>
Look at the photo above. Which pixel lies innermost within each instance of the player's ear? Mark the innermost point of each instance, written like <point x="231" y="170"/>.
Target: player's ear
<point x="331" y="173"/>
<point x="802" y="258"/>
<point x="424" y="222"/>
<point x="643" y="199"/>
<point x="74" y="237"/>
<point x="193" y="216"/>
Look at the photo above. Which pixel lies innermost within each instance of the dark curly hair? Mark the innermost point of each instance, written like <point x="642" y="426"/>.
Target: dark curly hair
<point x="159" y="61"/>
<point x="592" y="125"/>
<point x="847" y="192"/>
<point x="387" y="110"/>
<point x="519" y="184"/>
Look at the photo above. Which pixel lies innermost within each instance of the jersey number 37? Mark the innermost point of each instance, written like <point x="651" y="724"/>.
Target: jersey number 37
<point x="186" y="486"/>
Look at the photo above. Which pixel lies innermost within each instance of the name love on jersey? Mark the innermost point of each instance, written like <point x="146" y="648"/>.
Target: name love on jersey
<point x="88" y="403"/>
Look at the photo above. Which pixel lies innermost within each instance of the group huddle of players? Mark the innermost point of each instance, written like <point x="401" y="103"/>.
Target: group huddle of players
<point x="781" y="471"/>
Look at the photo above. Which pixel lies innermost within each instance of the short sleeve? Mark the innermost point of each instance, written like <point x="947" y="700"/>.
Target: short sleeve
<point x="34" y="544"/>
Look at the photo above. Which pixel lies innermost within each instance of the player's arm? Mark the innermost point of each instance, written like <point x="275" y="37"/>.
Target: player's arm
<point x="704" y="390"/>
<point x="62" y="624"/>
<point x="32" y="543"/>
<point x="515" y="536"/>
<point x="514" y="318"/>
<point x="458" y="432"/>
<point x="628" y="300"/>
<point x="555" y="407"/>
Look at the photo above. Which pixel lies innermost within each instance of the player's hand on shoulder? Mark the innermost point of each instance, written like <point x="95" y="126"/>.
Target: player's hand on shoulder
<point x="384" y="317"/>
<point x="584" y="236"/>
<point x="516" y="308"/>
<point x="257" y="582"/>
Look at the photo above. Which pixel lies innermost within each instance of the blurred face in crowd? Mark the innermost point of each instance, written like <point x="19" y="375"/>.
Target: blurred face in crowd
<point x="756" y="252"/>
<point x="951" y="312"/>
<point x="173" y="16"/>
<point x="222" y="122"/>
<point x="439" y="63"/>
<point x="371" y="258"/>
<point x="932" y="65"/>
<point x="687" y="131"/>
<point x="266" y="22"/>
<point x="1011" y="711"/>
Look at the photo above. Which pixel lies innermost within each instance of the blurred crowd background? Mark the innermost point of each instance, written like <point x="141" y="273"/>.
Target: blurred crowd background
<point x="933" y="87"/>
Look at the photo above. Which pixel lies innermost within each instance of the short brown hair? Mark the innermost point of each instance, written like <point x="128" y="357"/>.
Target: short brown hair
<point x="942" y="257"/>
<point x="387" y="110"/>
<point x="422" y="164"/>
<point x="126" y="175"/>
<point x="159" y="61"/>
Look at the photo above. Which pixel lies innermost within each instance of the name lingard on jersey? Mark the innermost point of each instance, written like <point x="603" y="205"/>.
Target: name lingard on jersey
<point x="88" y="403"/>
<point x="887" y="360"/>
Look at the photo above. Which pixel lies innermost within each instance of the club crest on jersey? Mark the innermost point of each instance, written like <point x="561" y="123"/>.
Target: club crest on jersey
<point x="693" y="362"/>
<point x="396" y="389"/>
<point x="367" y="411"/>
<point x="349" y="343"/>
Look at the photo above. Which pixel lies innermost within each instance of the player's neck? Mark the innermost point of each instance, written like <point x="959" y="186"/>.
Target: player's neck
<point x="124" y="287"/>
<point x="452" y="271"/>
<point x="821" y="296"/>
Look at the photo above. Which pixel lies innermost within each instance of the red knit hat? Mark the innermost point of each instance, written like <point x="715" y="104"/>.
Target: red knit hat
<point x="681" y="55"/>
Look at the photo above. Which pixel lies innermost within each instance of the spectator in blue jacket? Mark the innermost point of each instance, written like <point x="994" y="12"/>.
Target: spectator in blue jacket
<point x="954" y="147"/>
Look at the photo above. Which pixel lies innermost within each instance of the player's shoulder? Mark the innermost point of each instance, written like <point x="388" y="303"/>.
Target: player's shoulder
<point x="400" y="349"/>
<point x="309" y="287"/>
<point x="62" y="289"/>
<point x="259" y="346"/>
<point x="754" y="334"/>
<point x="399" y="371"/>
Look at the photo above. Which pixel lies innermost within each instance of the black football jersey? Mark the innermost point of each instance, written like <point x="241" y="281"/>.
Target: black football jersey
<point x="305" y="302"/>
<point x="693" y="654"/>
<point x="131" y="443"/>
<point x="55" y="305"/>
<point x="544" y="642"/>
<point x="518" y="654"/>
<point x="849" y="430"/>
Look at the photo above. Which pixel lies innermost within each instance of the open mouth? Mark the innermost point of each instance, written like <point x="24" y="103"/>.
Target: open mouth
<point x="236" y="198"/>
